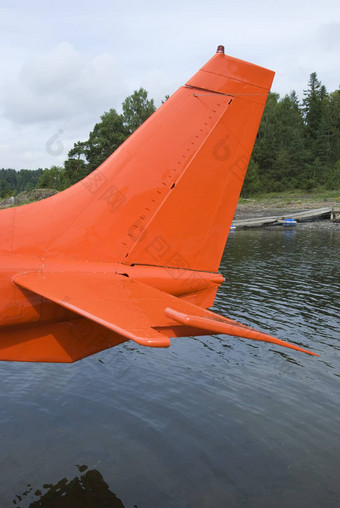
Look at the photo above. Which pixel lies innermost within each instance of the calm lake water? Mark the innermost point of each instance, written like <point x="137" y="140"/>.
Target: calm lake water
<point x="210" y="422"/>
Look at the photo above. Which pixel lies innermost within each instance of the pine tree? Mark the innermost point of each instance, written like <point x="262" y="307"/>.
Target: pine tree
<point x="312" y="105"/>
<point x="334" y="126"/>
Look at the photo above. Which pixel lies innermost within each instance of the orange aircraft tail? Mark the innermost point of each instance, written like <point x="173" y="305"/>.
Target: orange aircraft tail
<point x="131" y="252"/>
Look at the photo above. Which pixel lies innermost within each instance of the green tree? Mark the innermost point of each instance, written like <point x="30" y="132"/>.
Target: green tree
<point x="333" y="180"/>
<point x="12" y="182"/>
<point x="105" y="138"/>
<point x="252" y="182"/>
<point x="75" y="166"/>
<point x="291" y="154"/>
<point x="315" y="109"/>
<point x="312" y="105"/>
<point x="267" y="144"/>
<point x="8" y="182"/>
<point x="52" y="178"/>
<point x="136" y="109"/>
<point x="334" y="126"/>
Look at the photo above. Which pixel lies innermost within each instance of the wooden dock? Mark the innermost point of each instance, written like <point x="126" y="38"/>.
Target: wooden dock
<point x="308" y="215"/>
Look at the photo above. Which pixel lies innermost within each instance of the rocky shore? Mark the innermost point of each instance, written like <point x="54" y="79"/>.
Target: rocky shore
<point x="26" y="197"/>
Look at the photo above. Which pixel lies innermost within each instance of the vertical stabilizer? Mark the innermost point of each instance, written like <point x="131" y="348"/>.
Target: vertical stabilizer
<point x="191" y="226"/>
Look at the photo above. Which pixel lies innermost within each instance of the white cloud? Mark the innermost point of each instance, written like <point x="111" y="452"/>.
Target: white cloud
<point x="329" y="37"/>
<point x="60" y="85"/>
<point x="60" y="90"/>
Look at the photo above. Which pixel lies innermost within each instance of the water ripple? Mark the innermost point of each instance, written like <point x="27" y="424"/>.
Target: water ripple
<point x="212" y="421"/>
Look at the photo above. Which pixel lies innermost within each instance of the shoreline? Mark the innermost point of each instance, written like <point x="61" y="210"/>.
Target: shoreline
<point x="251" y="208"/>
<point x="277" y="206"/>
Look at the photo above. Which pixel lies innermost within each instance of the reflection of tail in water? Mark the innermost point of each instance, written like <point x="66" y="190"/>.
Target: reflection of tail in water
<point x="88" y="491"/>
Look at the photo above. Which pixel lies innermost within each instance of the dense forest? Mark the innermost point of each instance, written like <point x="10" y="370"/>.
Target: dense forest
<point x="297" y="146"/>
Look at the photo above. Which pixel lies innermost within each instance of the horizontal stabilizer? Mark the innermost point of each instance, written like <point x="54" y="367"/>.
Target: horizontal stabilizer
<point x="134" y="310"/>
<point x="216" y="325"/>
<point x="113" y="301"/>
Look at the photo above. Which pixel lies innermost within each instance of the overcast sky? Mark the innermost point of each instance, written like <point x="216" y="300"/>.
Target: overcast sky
<point x="64" y="63"/>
